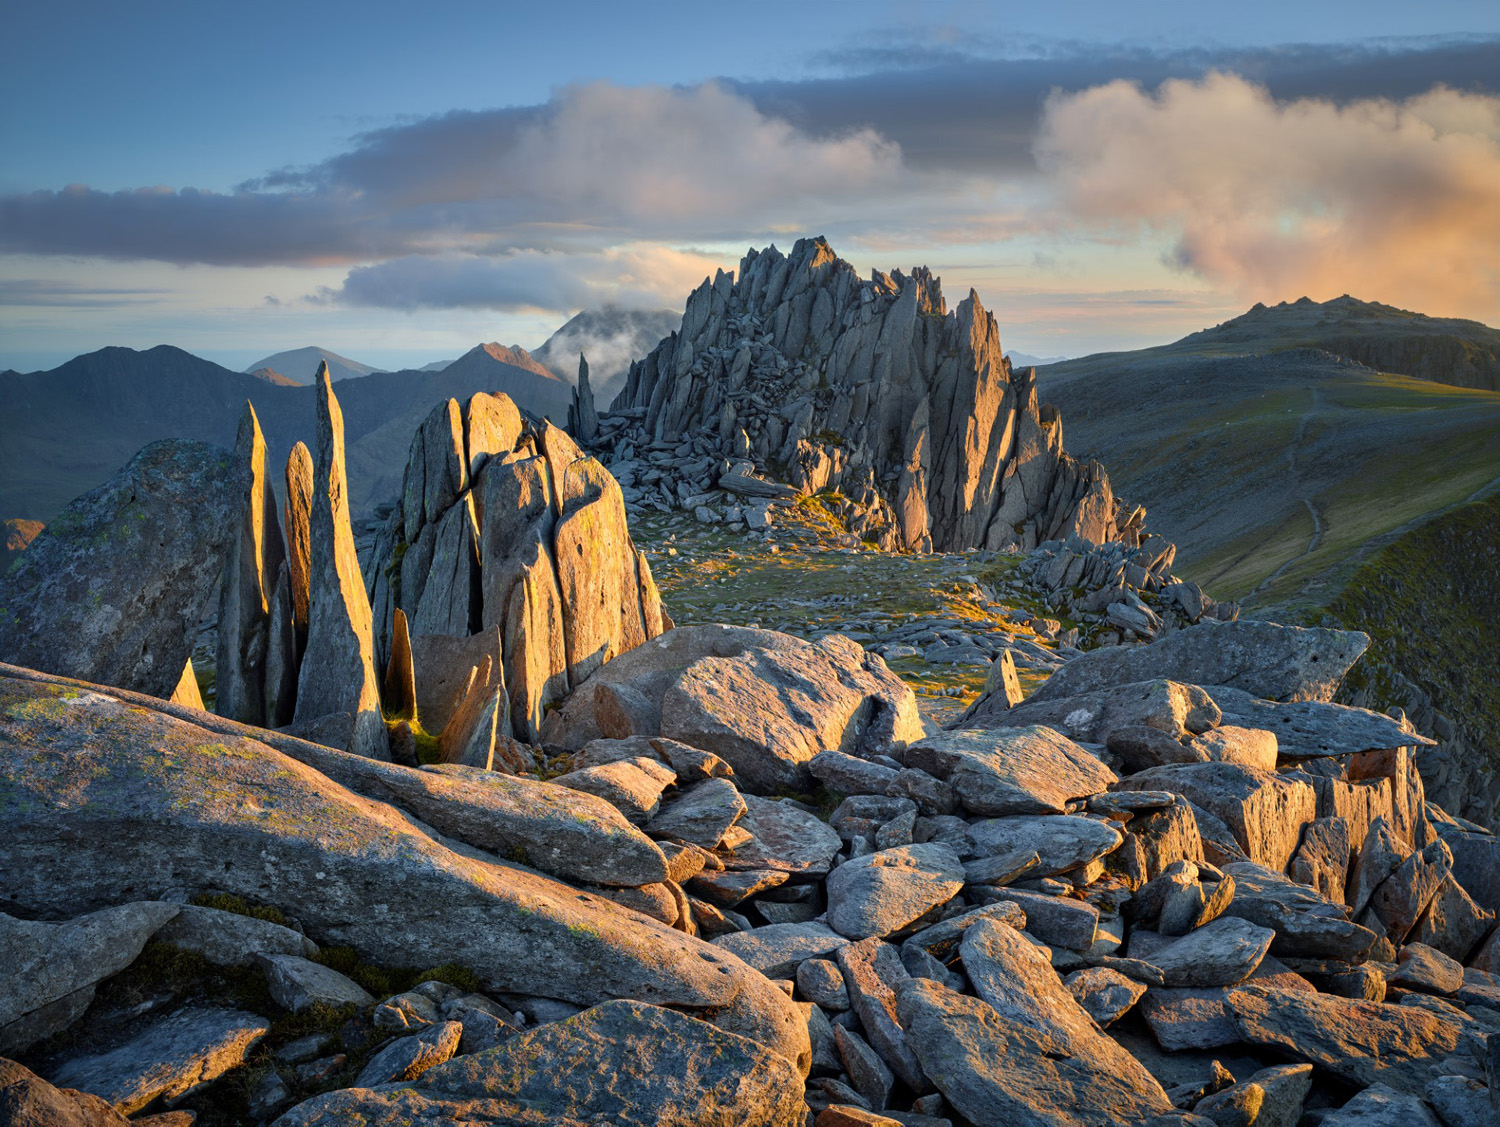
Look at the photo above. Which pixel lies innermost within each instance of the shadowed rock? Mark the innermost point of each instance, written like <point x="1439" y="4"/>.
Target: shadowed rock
<point x="299" y="491"/>
<point x="115" y="588"/>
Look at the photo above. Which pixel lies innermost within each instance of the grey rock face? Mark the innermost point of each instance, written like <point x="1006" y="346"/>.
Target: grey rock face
<point x="880" y="893"/>
<point x="995" y="1069"/>
<point x="1029" y="770"/>
<point x="338" y="667"/>
<point x="25" y="1098"/>
<point x="1262" y="658"/>
<point x="777" y="950"/>
<point x="327" y="856"/>
<point x="1061" y="842"/>
<point x="231" y="940"/>
<point x="406" y="1058"/>
<point x="1221" y="953"/>
<point x="940" y="443"/>
<point x="297" y="983"/>
<point x="1105" y="995"/>
<point x="170" y="1059"/>
<point x="48" y="962"/>
<point x="114" y="589"/>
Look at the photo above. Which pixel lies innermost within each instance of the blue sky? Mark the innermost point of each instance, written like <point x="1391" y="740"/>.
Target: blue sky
<point x="397" y="183"/>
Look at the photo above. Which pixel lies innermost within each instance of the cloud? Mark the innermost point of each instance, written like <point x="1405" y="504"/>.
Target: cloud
<point x="1398" y="201"/>
<point x="637" y="277"/>
<point x="597" y="164"/>
<point x="72" y="295"/>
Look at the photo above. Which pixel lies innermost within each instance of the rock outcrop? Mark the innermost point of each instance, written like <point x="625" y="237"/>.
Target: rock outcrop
<point x="800" y="371"/>
<point x="115" y="588"/>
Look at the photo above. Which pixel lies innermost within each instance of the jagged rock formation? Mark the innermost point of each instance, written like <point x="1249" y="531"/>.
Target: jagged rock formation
<point x="116" y="586"/>
<point x="505" y="527"/>
<point x="1116" y="591"/>
<point x="873" y="389"/>
<point x="583" y="416"/>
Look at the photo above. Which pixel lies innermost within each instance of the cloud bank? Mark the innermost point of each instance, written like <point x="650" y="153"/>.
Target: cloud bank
<point x="1398" y="200"/>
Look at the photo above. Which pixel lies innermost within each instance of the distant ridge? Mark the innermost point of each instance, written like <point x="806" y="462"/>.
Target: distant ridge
<point x="300" y="365"/>
<point x="271" y="375"/>
<point x="611" y="338"/>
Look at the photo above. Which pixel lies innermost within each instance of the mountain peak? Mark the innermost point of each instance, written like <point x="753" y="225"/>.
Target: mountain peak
<point x="300" y="365"/>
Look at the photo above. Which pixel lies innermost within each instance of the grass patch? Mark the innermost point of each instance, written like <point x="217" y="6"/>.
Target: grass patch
<point x="239" y="906"/>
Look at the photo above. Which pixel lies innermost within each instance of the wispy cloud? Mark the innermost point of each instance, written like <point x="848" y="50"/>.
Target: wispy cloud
<point x="74" y="295"/>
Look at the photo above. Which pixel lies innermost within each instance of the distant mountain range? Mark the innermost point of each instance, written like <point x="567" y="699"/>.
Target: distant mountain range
<point x="611" y="338"/>
<point x="1026" y="360"/>
<point x="65" y="431"/>
<point x="1283" y="447"/>
<point x="300" y="365"/>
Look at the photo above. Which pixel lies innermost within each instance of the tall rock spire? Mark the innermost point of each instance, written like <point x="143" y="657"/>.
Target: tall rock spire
<point x="251" y="568"/>
<point x="583" y="418"/>
<point x="338" y="668"/>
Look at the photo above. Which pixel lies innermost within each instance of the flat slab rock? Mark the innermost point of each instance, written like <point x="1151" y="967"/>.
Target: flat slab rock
<point x="169" y="1059"/>
<point x="785" y="836"/>
<point x="995" y="1069"/>
<point x="1060" y="841"/>
<point x="1031" y="770"/>
<point x="777" y="950"/>
<point x="1270" y="661"/>
<point x="1309" y="729"/>
<point x="623" y="1063"/>
<point x="880" y="893"/>
<point x="1362" y="1043"/>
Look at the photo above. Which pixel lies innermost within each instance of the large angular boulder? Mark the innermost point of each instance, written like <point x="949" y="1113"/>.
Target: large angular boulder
<point x="51" y="968"/>
<point x="1264" y="811"/>
<point x="1261" y="658"/>
<point x="1028" y="770"/>
<point x="880" y="893"/>
<point x="765" y="703"/>
<point x="124" y="798"/>
<point x="115" y="588"/>
<point x="29" y="1101"/>
<point x="1167" y="706"/>
<point x="622" y="1063"/>
<point x="994" y="1068"/>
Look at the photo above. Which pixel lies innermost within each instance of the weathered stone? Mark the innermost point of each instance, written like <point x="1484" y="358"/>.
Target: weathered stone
<point x="728" y="888"/>
<point x="1380" y="855"/>
<point x="297" y="983"/>
<point x="1061" y="842"/>
<point x="700" y="814"/>
<point x="338" y="666"/>
<point x="822" y="983"/>
<point x="399" y="693"/>
<point x="994" y="1068"/>
<point x="1265" y="812"/>
<point x="869" y="1075"/>
<point x="1222" y="953"/>
<point x="1141" y="747"/>
<point x="1460" y="1101"/>
<point x="1454" y="924"/>
<point x="231" y="940"/>
<point x="785" y="836"/>
<point x="1001" y="869"/>
<point x="1058" y="920"/>
<point x="1476" y="866"/>
<point x="187" y="692"/>
<point x="169" y="1060"/>
<point x="406" y="1058"/>
<point x="492" y="426"/>
<point x="942" y="939"/>
<point x="632" y="786"/>
<point x="322" y="854"/>
<point x="115" y="588"/>
<point x="872" y="971"/>
<point x="1167" y="835"/>
<point x="1403" y="896"/>
<point x="298" y="513"/>
<point x="849" y="774"/>
<point x="1027" y="771"/>
<point x="777" y="950"/>
<point x="443" y="669"/>
<point x="252" y="562"/>
<point x="480" y="718"/>
<point x="1306" y="924"/>
<point x="48" y="962"/>
<point x="1250" y="747"/>
<point x="1105" y="995"/>
<point x="1362" y="1043"/>
<point x="880" y="893"/>
<point x="27" y="1100"/>
<point x="1168" y="706"/>
<point x="1380" y="1106"/>
<point x="1308" y="729"/>
<point x="450" y="600"/>
<point x="1425" y="969"/>
<point x="1270" y="661"/>
<point x="1322" y="860"/>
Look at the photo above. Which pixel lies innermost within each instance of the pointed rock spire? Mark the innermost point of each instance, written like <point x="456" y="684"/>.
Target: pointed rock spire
<point x="583" y="418"/>
<point x="251" y="566"/>
<point x="338" y="667"/>
<point x="299" y="487"/>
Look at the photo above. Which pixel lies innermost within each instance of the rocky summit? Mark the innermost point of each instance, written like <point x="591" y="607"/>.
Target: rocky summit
<point x="798" y="376"/>
<point x="472" y="831"/>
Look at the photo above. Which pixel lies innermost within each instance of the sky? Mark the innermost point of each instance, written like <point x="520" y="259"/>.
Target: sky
<point x="397" y="182"/>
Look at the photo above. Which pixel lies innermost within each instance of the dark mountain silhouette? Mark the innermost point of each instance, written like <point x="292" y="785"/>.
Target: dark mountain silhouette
<point x="301" y="365"/>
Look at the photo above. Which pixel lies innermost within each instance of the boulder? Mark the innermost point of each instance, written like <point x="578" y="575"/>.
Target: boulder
<point x="406" y="1058"/>
<point x="777" y="950"/>
<point x="338" y="667"/>
<point x="1221" y="953"/>
<point x="701" y="814"/>
<point x="632" y="786"/>
<point x="53" y="967"/>
<point x="115" y="588"/>
<point x="1265" y="812"/>
<point x="1058" y="920"/>
<point x="1401" y="899"/>
<point x="170" y="1059"/>
<point x="1282" y="663"/>
<point x="29" y="1101"/>
<point x="297" y="984"/>
<point x="872" y="971"/>
<point x="1432" y="972"/>
<point x="1061" y="842"/>
<point x="1362" y="1043"/>
<point x="1380" y="1106"/>
<point x="234" y="815"/>
<point x="994" y="1068"/>
<point x="1030" y="770"/>
<point x="1307" y="925"/>
<point x="623" y="1062"/>
<point x="1306" y="729"/>
<point x="1169" y="707"/>
<point x="1106" y="995"/>
<point x="230" y="940"/>
<point x="787" y="836"/>
<point x="1229" y="743"/>
<point x="881" y="893"/>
